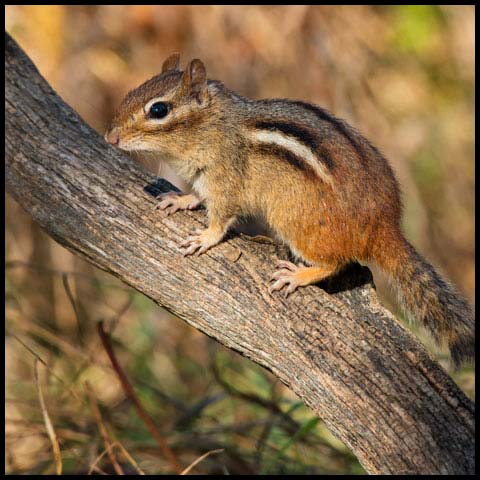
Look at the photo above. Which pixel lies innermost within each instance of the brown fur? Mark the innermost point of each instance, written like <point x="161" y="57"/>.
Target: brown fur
<point x="274" y="151"/>
<point x="356" y="216"/>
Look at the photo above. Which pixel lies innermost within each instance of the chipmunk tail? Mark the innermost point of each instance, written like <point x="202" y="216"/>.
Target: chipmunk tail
<point x="428" y="298"/>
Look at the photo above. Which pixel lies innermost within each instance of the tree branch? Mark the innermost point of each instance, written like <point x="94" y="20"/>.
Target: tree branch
<point x="345" y="356"/>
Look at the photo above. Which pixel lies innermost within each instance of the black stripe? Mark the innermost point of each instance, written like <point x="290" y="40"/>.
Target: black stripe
<point x="357" y="140"/>
<point x="303" y="135"/>
<point x="190" y="121"/>
<point x="277" y="151"/>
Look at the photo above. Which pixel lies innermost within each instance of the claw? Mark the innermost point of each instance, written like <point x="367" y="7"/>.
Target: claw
<point x="167" y="200"/>
<point x="276" y="275"/>
<point x="290" y="289"/>
<point x="194" y="244"/>
<point x="171" y="202"/>
<point x="278" y="285"/>
<point x="191" y="247"/>
<point x="293" y="276"/>
<point x="167" y="207"/>
<point x="285" y="276"/>
<point x="287" y="265"/>
<point x="201" y="240"/>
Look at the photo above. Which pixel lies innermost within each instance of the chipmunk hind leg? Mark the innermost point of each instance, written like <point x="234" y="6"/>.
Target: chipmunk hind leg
<point x="292" y="276"/>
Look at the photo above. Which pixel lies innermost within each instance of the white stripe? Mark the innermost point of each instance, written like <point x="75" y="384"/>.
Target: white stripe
<point x="297" y="148"/>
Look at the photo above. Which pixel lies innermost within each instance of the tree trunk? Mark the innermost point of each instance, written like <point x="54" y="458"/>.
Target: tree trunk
<point x="336" y="347"/>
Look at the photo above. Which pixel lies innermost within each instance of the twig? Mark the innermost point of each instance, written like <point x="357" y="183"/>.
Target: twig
<point x="130" y="458"/>
<point x="76" y="310"/>
<point x="107" y="437"/>
<point x="262" y="439"/>
<point x="129" y="391"/>
<point x="116" y="318"/>
<point x="81" y="460"/>
<point x="40" y="359"/>
<point x="196" y="409"/>
<point x="94" y="464"/>
<point x="28" y="326"/>
<point x="199" y="459"/>
<point x="48" y="423"/>
<point x="103" y="430"/>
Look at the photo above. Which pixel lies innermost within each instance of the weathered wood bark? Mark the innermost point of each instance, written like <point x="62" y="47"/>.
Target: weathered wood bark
<point x="370" y="380"/>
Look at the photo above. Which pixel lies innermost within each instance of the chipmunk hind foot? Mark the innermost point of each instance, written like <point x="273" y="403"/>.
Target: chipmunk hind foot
<point x="290" y="276"/>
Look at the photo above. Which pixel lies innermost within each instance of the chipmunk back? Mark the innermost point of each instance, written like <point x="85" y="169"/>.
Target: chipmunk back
<point x="319" y="185"/>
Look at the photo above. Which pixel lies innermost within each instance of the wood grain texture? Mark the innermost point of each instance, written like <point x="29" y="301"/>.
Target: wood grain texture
<point x="336" y="347"/>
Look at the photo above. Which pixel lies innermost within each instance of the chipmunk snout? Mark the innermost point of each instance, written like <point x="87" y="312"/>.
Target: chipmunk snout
<point x="112" y="137"/>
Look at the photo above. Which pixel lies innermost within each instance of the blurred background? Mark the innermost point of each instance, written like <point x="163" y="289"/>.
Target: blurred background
<point x="403" y="75"/>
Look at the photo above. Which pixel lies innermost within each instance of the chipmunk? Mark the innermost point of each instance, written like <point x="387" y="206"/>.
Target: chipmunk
<point x="324" y="189"/>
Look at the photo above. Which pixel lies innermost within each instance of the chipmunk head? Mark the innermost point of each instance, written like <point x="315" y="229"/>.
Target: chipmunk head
<point x="164" y="112"/>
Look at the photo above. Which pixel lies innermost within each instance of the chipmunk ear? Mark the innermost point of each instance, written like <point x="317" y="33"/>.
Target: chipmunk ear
<point x="195" y="80"/>
<point x="171" y="63"/>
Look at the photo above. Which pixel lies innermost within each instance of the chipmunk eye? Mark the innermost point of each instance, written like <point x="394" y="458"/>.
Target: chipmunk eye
<point x="159" y="110"/>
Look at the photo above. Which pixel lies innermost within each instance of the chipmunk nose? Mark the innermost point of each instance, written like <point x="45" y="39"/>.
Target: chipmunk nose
<point x="112" y="137"/>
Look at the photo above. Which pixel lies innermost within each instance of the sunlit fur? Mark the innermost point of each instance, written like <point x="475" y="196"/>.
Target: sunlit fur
<point x="317" y="182"/>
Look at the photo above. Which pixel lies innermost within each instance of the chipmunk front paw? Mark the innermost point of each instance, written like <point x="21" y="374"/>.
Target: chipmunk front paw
<point x="171" y="202"/>
<point x="200" y="241"/>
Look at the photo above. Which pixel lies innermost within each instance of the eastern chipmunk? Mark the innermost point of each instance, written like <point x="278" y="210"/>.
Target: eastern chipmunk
<point x="319" y="185"/>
